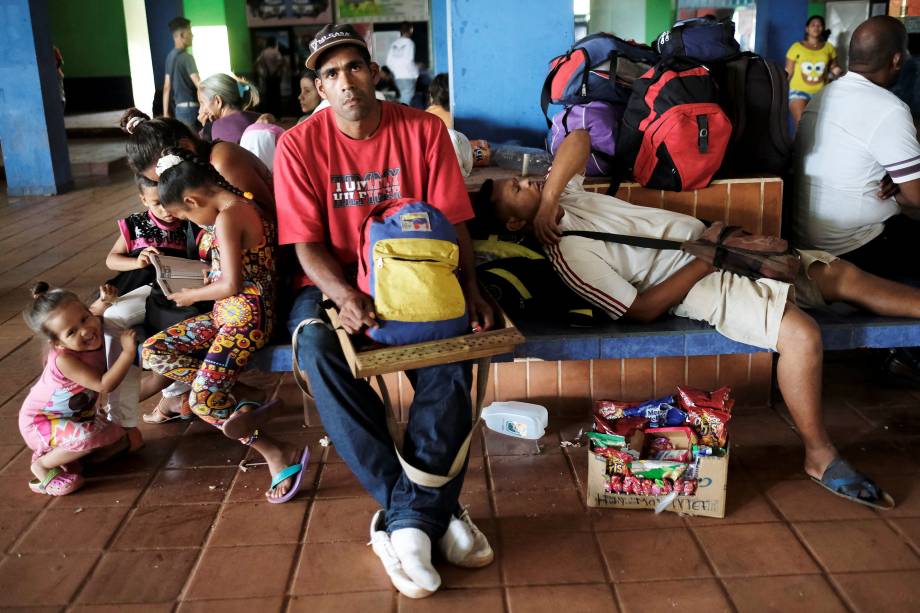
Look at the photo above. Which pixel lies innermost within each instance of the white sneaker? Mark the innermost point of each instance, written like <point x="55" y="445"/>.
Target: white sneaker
<point x="380" y="543"/>
<point x="413" y="547"/>
<point x="464" y="544"/>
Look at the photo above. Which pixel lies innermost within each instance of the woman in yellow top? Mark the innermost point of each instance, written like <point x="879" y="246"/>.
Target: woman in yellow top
<point x="809" y="65"/>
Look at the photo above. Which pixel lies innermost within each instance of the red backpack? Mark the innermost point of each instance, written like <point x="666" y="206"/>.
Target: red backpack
<point x="674" y="133"/>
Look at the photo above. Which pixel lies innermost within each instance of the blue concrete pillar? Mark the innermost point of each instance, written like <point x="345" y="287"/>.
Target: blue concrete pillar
<point x="159" y="14"/>
<point x="498" y="60"/>
<point x="779" y="24"/>
<point x="439" y="35"/>
<point x="32" y="132"/>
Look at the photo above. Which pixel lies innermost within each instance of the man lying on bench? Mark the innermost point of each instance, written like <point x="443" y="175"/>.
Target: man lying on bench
<point x="642" y="284"/>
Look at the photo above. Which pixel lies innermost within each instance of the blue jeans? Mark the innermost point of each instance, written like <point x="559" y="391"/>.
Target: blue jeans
<point x="189" y="116"/>
<point x="406" y="89"/>
<point x="355" y="419"/>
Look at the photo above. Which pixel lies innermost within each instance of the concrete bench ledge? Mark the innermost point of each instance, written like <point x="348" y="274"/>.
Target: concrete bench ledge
<point x="841" y="328"/>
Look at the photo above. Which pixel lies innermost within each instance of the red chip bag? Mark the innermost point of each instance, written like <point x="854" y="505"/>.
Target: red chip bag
<point x="710" y="424"/>
<point x="721" y="398"/>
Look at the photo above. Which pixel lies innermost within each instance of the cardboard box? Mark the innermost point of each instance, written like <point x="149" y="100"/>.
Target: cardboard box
<point x="709" y="500"/>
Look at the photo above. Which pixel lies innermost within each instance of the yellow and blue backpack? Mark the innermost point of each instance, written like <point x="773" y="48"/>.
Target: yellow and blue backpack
<point x="408" y="262"/>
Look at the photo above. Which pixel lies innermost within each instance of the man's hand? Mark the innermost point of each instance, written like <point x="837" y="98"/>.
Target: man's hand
<point x="546" y="223"/>
<point x="143" y="258"/>
<point x="357" y="311"/>
<point x="887" y="188"/>
<point x="183" y="298"/>
<point x="481" y="316"/>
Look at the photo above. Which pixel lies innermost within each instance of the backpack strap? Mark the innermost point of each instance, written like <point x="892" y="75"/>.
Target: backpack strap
<point x="737" y="90"/>
<point x="546" y="93"/>
<point x="625" y="239"/>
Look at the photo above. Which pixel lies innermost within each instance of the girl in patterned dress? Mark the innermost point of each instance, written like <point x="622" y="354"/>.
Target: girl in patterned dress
<point x="209" y="351"/>
<point x="58" y="419"/>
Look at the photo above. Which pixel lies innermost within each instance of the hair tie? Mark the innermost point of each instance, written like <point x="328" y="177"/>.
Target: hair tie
<point x="242" y="88"/>
<point x="133" y="123"/>
<point x="166" y="162"/>
<point x="248" y="195"/>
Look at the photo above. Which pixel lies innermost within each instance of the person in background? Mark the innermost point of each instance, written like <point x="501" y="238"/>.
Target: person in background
<point x="422" y="83"/>
<point x="226" y="100"/>
<point x="268" y="67"/>
<point x="401" y="60"/>
<point x="309" y="98"/>
<point x="386" y="85"/>
<point x="810" y="64"/>
<point x="439" y="99"/>
<point x="181" y="81"/>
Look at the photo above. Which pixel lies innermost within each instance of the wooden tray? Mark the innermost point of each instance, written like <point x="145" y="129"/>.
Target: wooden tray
<point x="501" y="339"/>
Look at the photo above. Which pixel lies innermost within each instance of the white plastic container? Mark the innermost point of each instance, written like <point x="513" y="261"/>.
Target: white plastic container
<point x="520" y="419"/>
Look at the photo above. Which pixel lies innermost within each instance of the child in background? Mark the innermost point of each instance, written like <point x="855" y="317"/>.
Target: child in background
<point x="58" y="419"/>
<point x="153" y="231"/>
<point x="209" y="351"/>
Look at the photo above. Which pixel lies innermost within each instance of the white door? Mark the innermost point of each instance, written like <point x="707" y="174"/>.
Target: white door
<point x="842" y="18"/>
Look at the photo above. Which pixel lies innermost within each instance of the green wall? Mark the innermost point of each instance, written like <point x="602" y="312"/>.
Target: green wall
<point x="230" y="13"/>
<point x="91" y="37"/>
<point x="659" y="16"/>
<point x="816" y="8"/>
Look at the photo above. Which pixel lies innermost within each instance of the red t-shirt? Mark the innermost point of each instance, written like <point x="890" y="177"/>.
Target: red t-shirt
<point x="326" y="182"/>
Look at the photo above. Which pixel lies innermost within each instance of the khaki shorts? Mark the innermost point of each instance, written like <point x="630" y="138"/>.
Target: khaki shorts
<point x="749" y="311"/>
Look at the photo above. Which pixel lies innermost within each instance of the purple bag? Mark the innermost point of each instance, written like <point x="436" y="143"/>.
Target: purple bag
<point x="601" y="120"/>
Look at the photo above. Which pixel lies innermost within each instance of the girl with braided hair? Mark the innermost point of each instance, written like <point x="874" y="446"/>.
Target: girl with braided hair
<point x="209" y="351"/>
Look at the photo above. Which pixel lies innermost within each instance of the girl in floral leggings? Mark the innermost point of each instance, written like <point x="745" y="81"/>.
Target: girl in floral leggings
<point x="209" y="351"/>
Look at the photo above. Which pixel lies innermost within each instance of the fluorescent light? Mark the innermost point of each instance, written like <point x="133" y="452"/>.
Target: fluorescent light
<point x="211" y="49"/>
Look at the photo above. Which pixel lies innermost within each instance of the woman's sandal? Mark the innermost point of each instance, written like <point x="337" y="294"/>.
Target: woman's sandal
<point x="160" y="415"/>
<point x="294" y="470"/>
<point x="243" y="423"/>
<point x="57" y="482"/>
<point x="843" y="480"/>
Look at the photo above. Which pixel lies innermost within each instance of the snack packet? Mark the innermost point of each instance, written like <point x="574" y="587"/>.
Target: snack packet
<point x="673" y="455"/>
<point x="657" y="469"/>
<point x="711" y="425"/>
<point x="660" y="412"/>
<point x="720" y="399"/>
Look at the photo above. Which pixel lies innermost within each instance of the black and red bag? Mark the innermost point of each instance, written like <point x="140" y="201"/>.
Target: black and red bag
<point x="674" y="133"/>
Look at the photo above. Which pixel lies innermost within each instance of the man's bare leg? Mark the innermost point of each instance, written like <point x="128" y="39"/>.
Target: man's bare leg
<point x="841" y="281"/>
<point x="798" y="372"/>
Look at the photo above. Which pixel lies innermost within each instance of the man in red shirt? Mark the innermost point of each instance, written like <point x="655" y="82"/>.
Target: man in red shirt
<point x="330" y="170"/>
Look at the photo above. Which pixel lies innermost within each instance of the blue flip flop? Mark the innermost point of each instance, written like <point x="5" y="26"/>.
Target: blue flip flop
<point x="843" y="480"/>
<point x="243" y="423"/>
<point x="294" y="469"/>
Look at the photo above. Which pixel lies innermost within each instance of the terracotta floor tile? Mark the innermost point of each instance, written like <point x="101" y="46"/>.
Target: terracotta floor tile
<point x="479" y="600"/>
<point x="8" y="452"/>
<point x="871" y="592"/>
<point x="478" y="503"/>
<point x="454" y="577"/>
<point x="337" y="481"/>
<point x="519" y="473"/>
<point x="189" y="486"/>
<point x="695" y="595"/>
<point x="15" y="494"/>
<point x="236" y="605"/>
<point x="770" y="462"/>
<point x="145" y="460"/>
<point x="159" y="527"/>
<point x="896" y="419"/>
<point x="744" y="504"/>
<point x="68" y="530"/>
<point x="607" y="520"/>
<point x="358" y="602"/>
<point x="574" y="556"/>
<point x="108" y="492"/>
<point x="762" y="428"/>
<point x="755" y="550"/>
<point x="880" y="458"/>
<point x="858" y="546"/>
<point x="906" y="494"/>
<point x="554" y="598"/>
<point x="258" y="523"/>
<point x="534" y="511"/>
<point x="330" y="568"/>
<point x="19" y="467"/>
<point x="250" y="486"/>
<point x="208" y="449"/>
<point x="780" y="594"/>
<point x="341" y="519"/>
<point x="43" y="578"/>
<point x="123" y="608"/>
<point x="636" y="555"/>
<point x="475" y="478"/>
<point x="803" y="500"/>
<point x="910" y="528"/>
<point x="139" y="576"/>
<point x="241" y="572"/>
<point x="13" y="523"/>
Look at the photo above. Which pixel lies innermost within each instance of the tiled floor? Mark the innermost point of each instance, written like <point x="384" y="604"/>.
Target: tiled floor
<point x="179" y="526"/>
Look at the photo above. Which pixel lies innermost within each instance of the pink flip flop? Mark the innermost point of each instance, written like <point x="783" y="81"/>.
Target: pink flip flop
<point x="294" y="469"/>
<point x="57" y="483"/>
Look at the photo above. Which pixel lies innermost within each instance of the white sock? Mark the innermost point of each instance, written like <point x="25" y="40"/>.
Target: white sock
<point x="413" y="548"/>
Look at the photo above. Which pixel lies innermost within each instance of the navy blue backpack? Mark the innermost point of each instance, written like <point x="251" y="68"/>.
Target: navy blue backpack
<point x="704" y="39"/>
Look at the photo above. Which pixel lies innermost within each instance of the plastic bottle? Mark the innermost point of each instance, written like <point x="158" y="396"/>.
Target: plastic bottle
<point x="520" y="419"/>
<point x="527" y="161"/>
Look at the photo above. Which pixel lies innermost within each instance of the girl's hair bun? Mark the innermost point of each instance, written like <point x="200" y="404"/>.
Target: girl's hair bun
<point x="40" y="289"/>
